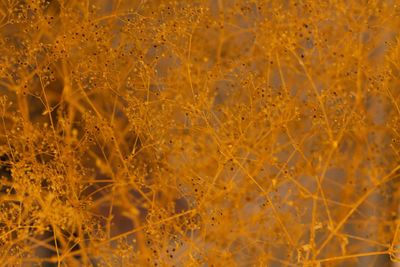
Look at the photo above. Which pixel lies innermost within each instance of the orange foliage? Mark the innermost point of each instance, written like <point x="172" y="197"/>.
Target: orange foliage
<point x="199" y="133"/>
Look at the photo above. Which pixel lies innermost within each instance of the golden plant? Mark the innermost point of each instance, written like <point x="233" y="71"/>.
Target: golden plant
<point x="199" y="133"/>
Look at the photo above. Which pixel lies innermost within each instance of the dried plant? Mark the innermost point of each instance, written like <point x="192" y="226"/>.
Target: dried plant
<point x="199" y="133"/>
